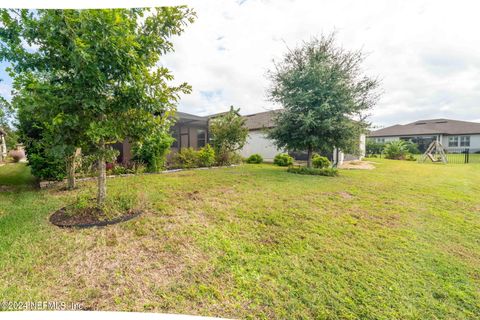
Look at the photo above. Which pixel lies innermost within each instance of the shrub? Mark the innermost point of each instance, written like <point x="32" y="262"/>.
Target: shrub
<point x="320" y="162"/>
<point x="330" y="172"/>
<point x="137" y="167"/>
<point x="373" y="148"/>
<point x="254" y="158"/>
<point x="206" y="156"/>
<point x="283" y="160"/>
<point x="412" y="147"/>
<point x="17" y="155"/>
<point x="235" y="158"/>
<point x="396" y="150"/>
<point x="153" y="151"/>
<point x="119" y="169"/>
<point x="225" y="158"/>
<point x="87" y="166"/>
<point x="186" y="158"/>
<point x="45" y="165"/>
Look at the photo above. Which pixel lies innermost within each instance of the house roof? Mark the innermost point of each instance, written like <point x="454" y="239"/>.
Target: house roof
<point x="433" y="126"/>
<point x="261" y="120"/>
<point x="256" y="121"/>
<point x="187" y="118"/>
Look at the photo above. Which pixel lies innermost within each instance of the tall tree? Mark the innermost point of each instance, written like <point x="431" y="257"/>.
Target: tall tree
<point x="324" y="95"/>
<point x="104" y="63"/>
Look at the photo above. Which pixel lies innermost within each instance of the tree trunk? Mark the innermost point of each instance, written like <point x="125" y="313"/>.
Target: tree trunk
<point x="102" y="176"/>
<point x="71" y="167"/>
<point x="309" y="157"/>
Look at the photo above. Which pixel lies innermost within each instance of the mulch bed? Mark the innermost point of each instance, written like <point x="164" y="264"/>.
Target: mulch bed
<point x="87" y="218"/>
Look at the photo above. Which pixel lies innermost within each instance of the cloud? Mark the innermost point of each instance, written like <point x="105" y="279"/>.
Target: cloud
<point x="425" y="52"/>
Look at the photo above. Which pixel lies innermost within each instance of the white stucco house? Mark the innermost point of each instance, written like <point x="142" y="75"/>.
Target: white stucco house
<point x="258" y="142"/>
<point x="452" y="134"/>
<point x="191" y="131"/>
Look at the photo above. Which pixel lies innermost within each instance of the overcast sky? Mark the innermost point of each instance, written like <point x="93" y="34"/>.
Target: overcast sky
<point x="426" y="53"/>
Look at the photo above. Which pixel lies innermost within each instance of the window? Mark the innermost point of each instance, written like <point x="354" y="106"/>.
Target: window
<point x="465" y="141"/>
<point x="201" y="136"/>
<point x="380" y="140"/>
<point x="453" y="141"/>
<point x="175" y="136"/>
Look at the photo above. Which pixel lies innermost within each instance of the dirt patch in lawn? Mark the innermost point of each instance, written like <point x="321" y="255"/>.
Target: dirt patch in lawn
<point x="88" y="217"/>
<point x="357" y="164"/>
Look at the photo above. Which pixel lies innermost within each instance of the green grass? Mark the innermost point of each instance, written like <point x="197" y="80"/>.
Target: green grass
<point x="15" y="174"/>
<point x="401" y="241"/>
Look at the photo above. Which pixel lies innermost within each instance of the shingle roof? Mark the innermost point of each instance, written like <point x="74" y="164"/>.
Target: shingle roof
<point x="261" y="120"/>
<point x="433" y="126"/>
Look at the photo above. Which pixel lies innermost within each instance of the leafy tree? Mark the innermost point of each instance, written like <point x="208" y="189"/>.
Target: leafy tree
<point x="104" y="64"/>
<point x="324" y="96"/>
<point x="44" y="160"/>
<point x="228" y="134"/>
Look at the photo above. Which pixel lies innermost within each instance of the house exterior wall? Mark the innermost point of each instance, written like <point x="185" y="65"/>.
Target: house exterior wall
<point x="257" y="142"/>
<point x="474" y="140"/>
<point x="443" y="138"/>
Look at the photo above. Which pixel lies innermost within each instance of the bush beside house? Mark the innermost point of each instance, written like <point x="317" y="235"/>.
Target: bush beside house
<point x="188" y="158"/>
<point x="254" y="158"/>
<point x="320" y="162"/>
<point x="206" y="156"/>
<point x="283" y="160"/>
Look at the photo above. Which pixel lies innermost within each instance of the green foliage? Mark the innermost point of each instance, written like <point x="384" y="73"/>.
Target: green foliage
<point x="330" y="172"/>
<point x="186" y="158"/>
<point x="396" y="150"/>
<point x="46" y="161"/>
<point x="322" y="91"/>
<point x="94" y="75"/>
<point x="412" y="147"/>
<point x="373" y="148"/>
<point x="206" y="156"/>
<point x="228" y="135"/>
<point x="153" y="150"/>
<point x="133" y="167"/>
<point x="254" y="158"/>
<point x="45" y="165"/>
<point x="320" y="162"/>
<point x="283" y="160"/>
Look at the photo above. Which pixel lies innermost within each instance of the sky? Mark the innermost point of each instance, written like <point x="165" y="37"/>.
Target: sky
<point x="425" y="53"/>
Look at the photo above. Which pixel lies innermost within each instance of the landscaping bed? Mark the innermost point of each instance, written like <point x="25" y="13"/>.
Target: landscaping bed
<point x="88" y="217"/>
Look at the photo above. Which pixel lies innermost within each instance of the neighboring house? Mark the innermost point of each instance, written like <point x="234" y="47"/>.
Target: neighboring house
<point x="3" y="146"/>
<point x="450" y="133"/>
<point x="257" y="140"/>
<point x="192" y="131"/>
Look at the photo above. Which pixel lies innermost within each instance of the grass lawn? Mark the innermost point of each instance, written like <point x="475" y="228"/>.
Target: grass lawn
<point x="398" y="242"/>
